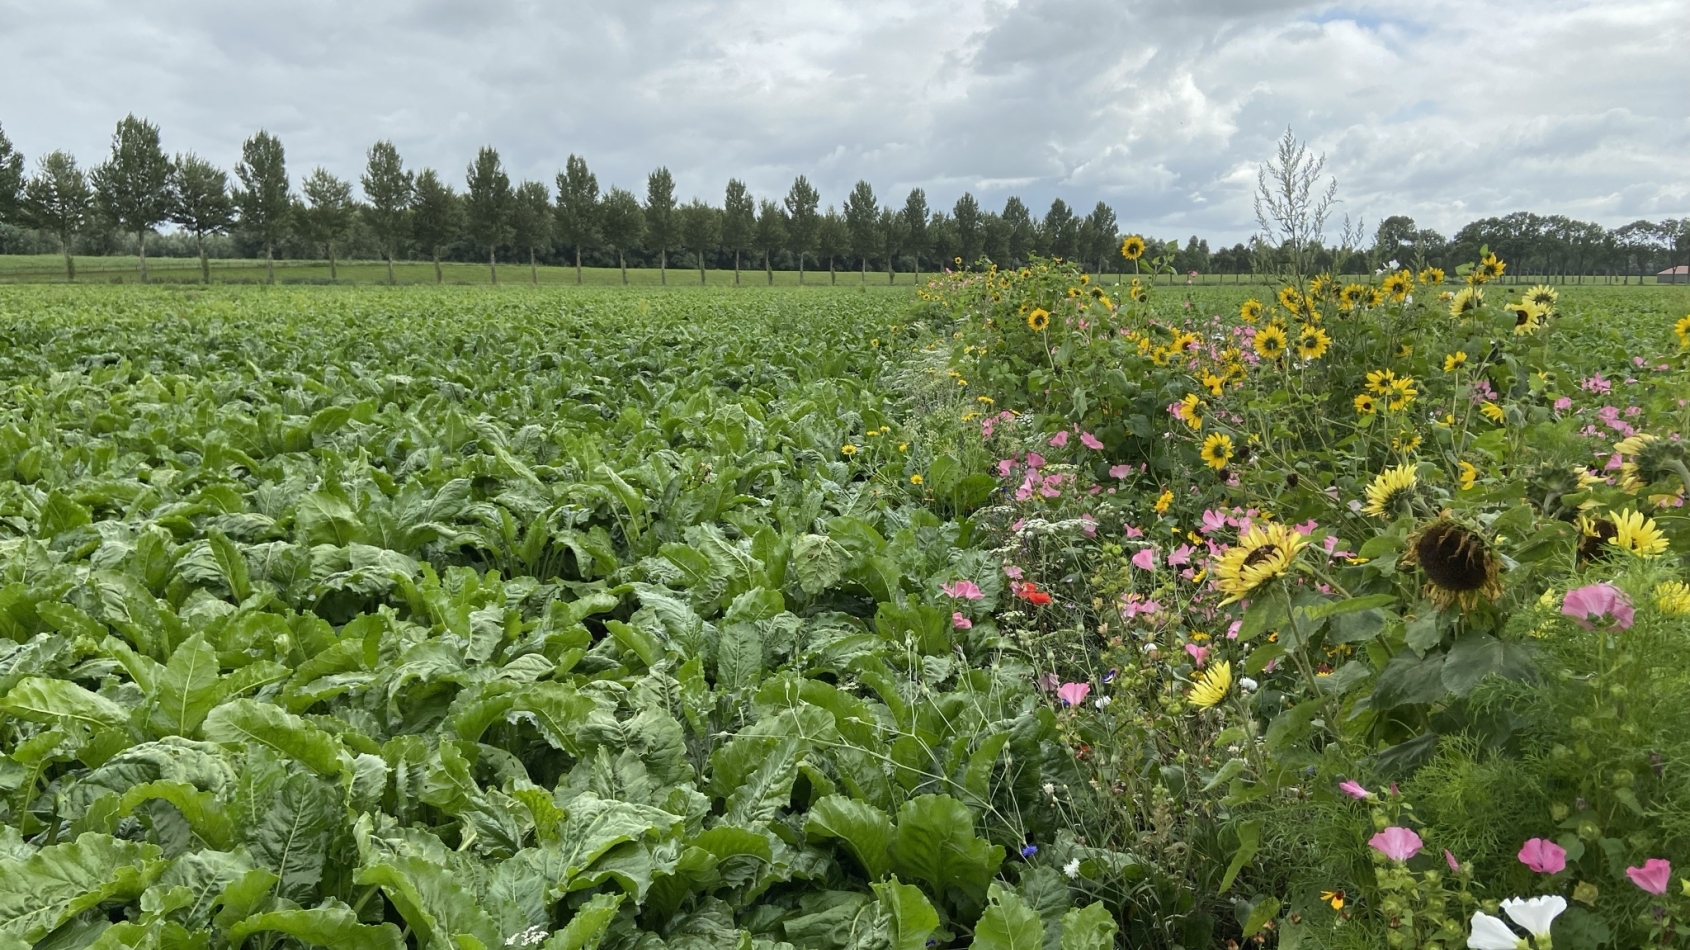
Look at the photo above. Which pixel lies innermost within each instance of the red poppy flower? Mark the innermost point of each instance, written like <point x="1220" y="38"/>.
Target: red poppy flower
<point x="1030" y="593"/>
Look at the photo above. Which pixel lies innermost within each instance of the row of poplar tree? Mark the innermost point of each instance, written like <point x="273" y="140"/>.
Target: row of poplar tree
<point x="139" y="188"/>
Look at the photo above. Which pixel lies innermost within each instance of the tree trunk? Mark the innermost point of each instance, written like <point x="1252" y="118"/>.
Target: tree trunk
<point x="865" y="270"/>
<point x="768" y="268"/>
<point x="623" y="261"/>
<point x="663" y="266"/>
<point x="889" y="280"/>
<point x="390" y="279"/>
<point x="800" y="268"/>
<point x="270" y="261"/>
<point x="205" y="265"/>
<point x="577" y="265"/>
<point x="701" y="268"/>
<point x="70" y="262"/>
<point x="334" y="272"/>
<point x="832" y="275"/>
<point x="917" y="258"/>
<point x="736" y="267"/>
<point x="493" y="264"/>
<point x="141" y="239"/>
<point x="439" y="276"/>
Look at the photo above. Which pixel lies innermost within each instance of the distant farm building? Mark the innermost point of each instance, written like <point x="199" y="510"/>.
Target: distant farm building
<point x="1674" y="275"/>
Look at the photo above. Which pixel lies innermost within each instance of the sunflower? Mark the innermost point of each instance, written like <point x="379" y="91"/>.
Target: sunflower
<point x="1469" y="475"/>
<point x="1544" y="296"/>
<point x="1681" y="329"/>
<point x="1379" y="381"/>
<point x="1251" y="311"/>
<point x="1270" y="342"/>
<point x="1138" y="291"/>
<point x="847" y="450"/>
<point x="1391" y="490"/>
<point x="1133" y="247"/>
<point x="1648" y="459"/>
<point x="1350" y="296"/>
<point x="1291" y="299"/>
<point x="1262" y="554"/>
<point x="1637" y="534"/>
<point x="1398" y="285"/>
<point x="1453" y="361"/>
<point x="1320" y="286"/>
<point x="1459" y="564"/>
<point x="1366" y="405"/>
<point x="1312" y="343"/>
<point x="1217" y="451"/>
<point x="1465" y="301"/>
<point x="1489" y="268"/>
<point x="1594" y="535"/>
<point x="1493" y="412"/>
<point x="1432" y="275"/>
<point x="1528" y="317"/>
<point x="1373" y="297"/>
<point x="1163" y="501"/>
<point x="1038" y="320"/>
<point x="1190" y="411"/>
<point x="1211" y="685"/>
<point x="1402" y="392"/>
<point x="1672" y="597"/>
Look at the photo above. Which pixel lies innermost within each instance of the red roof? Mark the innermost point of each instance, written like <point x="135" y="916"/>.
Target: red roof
<point x="1680" y="269"/>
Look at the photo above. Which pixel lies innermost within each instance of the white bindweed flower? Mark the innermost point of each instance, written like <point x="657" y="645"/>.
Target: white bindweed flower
<point x="1072" y="868"/>
<point x="1103" y="701"/>
<point x="1537" y="914"/>
<point x="1490" y="933"/>
<point x="1248" y="685"/>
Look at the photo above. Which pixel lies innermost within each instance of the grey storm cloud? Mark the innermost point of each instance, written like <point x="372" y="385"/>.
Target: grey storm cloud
<point x="1439" y="109"/>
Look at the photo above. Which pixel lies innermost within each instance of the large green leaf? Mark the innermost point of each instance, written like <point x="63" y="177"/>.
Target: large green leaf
<point x="910" y="919"/>
<point x="42" y="891"/>
<point x="935" y="843"/>
<point x="1008" y="924"/>
<point x="589" y="925"/>
<point x="186" y="688"/>
<point x="250" y="722"/>
<point x="865" y="830"/>
<point x="292" y="831"/>
<point x="332" y="925"/>
<point x="1088" y="928"/>
<point x="436" y="906"/>
<point x="39" y="699"/>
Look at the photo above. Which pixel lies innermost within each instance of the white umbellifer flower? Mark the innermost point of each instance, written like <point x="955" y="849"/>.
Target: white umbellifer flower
<point x="1536" y="914"/>
<point x="527" y="938"/>
<point x="1490" y="933"/>
<point x="1072" y="868"/>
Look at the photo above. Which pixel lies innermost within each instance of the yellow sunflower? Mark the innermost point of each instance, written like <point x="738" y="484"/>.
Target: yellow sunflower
<point x="1432" y="275"/>
<point x="1190" y="411"/>
<point x="1465" y="301"/>
<point x="1493" y="412"/>
<point x="1672" y="597"/>
<point x="1133" y="247"/>
<point x="1489" y="268"/>
<point x="1350" y="296"/>
<point x="1138" y="291"/>
<point x="1637" y="534"/>
<point x="1312" y="343"/>
<point x="1291" y="299"/>
<point x="1544" y="296"/>
<point x="1372" y="297"/>
<point x="1217" y="450"/>
<point x="1366" y="405"/>
<point x="1528" y="317"/>
<point x="1398" y="285"/>
<point x="1270" y="342"/>
<point x="1211" y="685"/>
<point x="1262" y="554"/>
<point x="1402" y="393"/>
<point x="847" y="450"/>
<point x="1251" y="311"/>
<point x="1469" y="475"/>
<point x="1163" y="501"/>
<point x="1453" y="361"/>
<point x="1391" y="491"/>
<point x="1038" y="320"/>
<point x="1681" y="329"/>
<point x="1379" y="381"/>
<point x="1459" y="565"/>
<point x="1321" y="286"/>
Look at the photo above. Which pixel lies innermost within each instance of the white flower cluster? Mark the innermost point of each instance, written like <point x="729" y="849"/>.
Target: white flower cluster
<point x="531" y="937"/>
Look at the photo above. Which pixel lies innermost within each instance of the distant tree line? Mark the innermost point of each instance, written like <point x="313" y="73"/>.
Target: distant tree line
<point x="129" y="202"/>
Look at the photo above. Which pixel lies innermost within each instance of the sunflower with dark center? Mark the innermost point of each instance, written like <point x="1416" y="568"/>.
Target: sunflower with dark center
<point x="1460" y="565"/>
<point x="1250" y="311"/>
<point x="1133" y="247"/>
<point x="1594" y="535"/>
<point x="1262" y="554"/>
<point x="1038" y="320"/>
<point x="1270" y="342"/>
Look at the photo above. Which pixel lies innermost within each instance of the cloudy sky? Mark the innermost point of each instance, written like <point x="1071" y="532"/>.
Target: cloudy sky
<point x="1442" y="110"/>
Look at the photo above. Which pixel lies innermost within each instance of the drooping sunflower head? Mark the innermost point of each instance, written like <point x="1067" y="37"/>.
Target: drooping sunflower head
<point x="1211" y="686"/>
<point x="1549" y="485"/>
<point x="1459" y="563"/>
<point x="1138" y="291"/>
<point x="1673" y="598"/>
<point x="1465" y="301"/>
<point x="1637" y="535"/>
<point x="1132" y="248"/>
<point x="1594" y="535"/>
<point x="1038" y="320"/>
<point x="1270" y="342"/>
<point x="1312" y="343"/>
<point x="1217" y="450"/>
<point x="1398" y="285"/>
<point x="1648" y="460"/>
<point x="1250" y="311"/>
<point x="1262" y="554"/>
<point x="1391" y="492"/>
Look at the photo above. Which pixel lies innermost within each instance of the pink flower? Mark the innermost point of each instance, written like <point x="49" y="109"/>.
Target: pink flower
<point x="1073" y="694"/>
<point x="1353" y="788"/>
<point x="1088" y="524"/>
<point x="963" y="590"/>
<point x="1005" y="466"/>
<point x="1048" y="681"/>
<point x="1051" y="487"/>
<point x="1090" y="441"/>
<point x="1199" y="655"/>
<point x="1449" y="859"/>
<point x="1133" y="531"/>
<point x="1232" y="631"/>
<point x="960" y="622"/>
<point x="1060" y="439"/>
<point x="1544" y="857"/>
<point x="1035" y="460"/>
<point x="1180" y="555"/>
<point x="1652" y="876"/>
<point x="1396" y="843"/>
<point x="1598" y="601"/>
<point x="1012" y="572"/>
<point x="1120" y="471"/>
<point x="1212" y="521"/>
<point x="1134" y="604"/>
<point x="1145" y="559"/>
<point x="1563" y="404"/>
<point x="1306" y="527"/>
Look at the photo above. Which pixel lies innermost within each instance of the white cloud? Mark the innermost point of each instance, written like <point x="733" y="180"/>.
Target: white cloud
<point x="1443" y="110"/>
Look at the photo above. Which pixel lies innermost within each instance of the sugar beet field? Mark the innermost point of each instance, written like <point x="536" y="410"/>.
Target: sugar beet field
<point x="1016" y="612"/>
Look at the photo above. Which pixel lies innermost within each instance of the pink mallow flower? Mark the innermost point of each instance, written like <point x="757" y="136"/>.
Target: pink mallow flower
<point x="962" y="590"/>
<point x="960" y="622"/>
<point x="1396" y="843"/>
<point x="1652" y="876"/>
<point x="1544" y="857"/>
<point x="1073" y="694"/>
<point x="1012" y="572"/>
<point x="1090" y="441"/>
<point x="1353" y="788"/>
<point x="1120" y="471"/>
<point x="1005" y="466"/>
<point x="1035" y="460"/>
<point x="1060" y="439"/>
<point x="1145" y="559"/>
<point x="1449" y="859"/>
<point x="1598" y="602"/>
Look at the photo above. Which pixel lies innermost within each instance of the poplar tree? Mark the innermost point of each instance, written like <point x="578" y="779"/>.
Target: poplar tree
<point x="832" y="240"/>
<point x="965" y="225"/>
<point x="660" y="222"/>
<point x="862" y="220"/>
<point x="701" y="230"/>
<point x="891" y="233"/>
<point x="577" y="207"/>
<point x="739" y="221"/>
<point x="264" y="200"/>
<point x="771" y="235"/>
<point x="11" y="181"/>
<point x="436" y="216"/>
<point x="1101" y="226"/>
<point x="327" y="217"/>
<point x="1060" y="229"/>
<point x="487" y="200"/>
<point x="915" y="227"/>
<point x="622" y="224"/>
<point x="388" y="192"/>
<point x="1020" y="224"/>
<point x="801" y="220"/>
<point x="532" y="224"/>
<point x="132" y="187"/>
<point x="200" y="202"/>
<point x="57" y="199"/>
